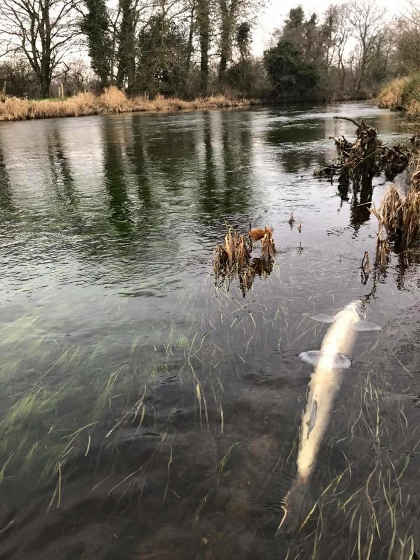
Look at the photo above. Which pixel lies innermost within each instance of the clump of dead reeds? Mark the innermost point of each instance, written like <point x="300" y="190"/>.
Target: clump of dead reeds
<point x="411" y="217"/>
<point x="234" y="256"/>
<point x="400" y="215"/>
<point x="268" y="249"/>
<point x="391" y="210"/>
<point x="220" y="260"/>
<point x="414" y="165"/>
<point x="114" y="100"/>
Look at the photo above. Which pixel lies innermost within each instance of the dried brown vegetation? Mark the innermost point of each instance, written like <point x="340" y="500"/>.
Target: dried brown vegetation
<point x="112" y="100"/>
<point x="399" y="215"/>
<point x="359" y="161"/>
<point x="414" y="164"/>
<point x="402" y="94"/>
<point x="258" y="233"/>
<point x="268" y="249"/>
<point x="234" y="257"/>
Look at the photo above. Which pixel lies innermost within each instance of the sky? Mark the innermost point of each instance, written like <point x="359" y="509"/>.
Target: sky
<point x="276" y="12"/>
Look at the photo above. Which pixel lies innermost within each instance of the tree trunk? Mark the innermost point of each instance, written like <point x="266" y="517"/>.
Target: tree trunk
<point x="203" y="16"/>
<point x="45" y="85"/>
<point x="224" y="55"/>
<point x="229" y="15"/>
<point x="190" y="40"/>
<point x="127" y="46"/>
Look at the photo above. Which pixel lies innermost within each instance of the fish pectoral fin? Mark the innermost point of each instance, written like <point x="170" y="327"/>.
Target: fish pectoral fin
<point x="323" y="318"/>
<point x="365" y="326"/>
<point x="339" y="360"/>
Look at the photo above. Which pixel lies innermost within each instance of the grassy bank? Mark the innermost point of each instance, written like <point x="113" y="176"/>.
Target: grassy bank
<point x="111" y="101"/>
<point x="402" y="94"/>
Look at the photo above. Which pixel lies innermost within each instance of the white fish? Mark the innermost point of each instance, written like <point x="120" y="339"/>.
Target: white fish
<point x="361" y="326"/>
<point x="341" y="361"/>
<point x="323" y="387"/>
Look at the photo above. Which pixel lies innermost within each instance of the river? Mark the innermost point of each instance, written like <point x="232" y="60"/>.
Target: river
<point x="147" y="413"/>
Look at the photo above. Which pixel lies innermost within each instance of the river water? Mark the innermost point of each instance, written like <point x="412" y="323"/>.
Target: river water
<point x="146" y="412"/>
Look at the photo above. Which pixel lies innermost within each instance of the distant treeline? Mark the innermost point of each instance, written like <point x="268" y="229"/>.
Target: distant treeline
<point x="192" y="48"/>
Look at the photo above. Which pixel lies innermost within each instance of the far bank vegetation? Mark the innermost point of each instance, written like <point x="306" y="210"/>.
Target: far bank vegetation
<point x="402" y="94"/>
<point x="112" y="100"/>
<point x="167" y="54"/>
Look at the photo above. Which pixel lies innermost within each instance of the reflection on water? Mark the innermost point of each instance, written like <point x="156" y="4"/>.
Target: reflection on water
<point x="146" y="414"/>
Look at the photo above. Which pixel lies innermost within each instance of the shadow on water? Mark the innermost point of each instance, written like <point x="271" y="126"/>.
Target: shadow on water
<point x="7" y="207"/>
<point x="167" y="424"/>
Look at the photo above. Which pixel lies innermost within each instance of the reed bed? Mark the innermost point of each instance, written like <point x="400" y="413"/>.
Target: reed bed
<point x="402" y="94"/>
<point x="391" y="96"/>
<point x="399" y="215"/>
<point x="414" y="167"/>
<point x="112" y="100"/>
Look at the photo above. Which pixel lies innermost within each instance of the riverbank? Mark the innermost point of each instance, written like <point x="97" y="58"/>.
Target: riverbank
<point x="111" y="101"/>
<point x="402" y="94"/>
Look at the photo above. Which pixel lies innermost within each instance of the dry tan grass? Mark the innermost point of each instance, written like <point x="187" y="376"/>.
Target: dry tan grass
<point x="268" y="249"/>
<point x="413" y="110"/>
<point x="414" y="170"/>
<point x="112" y="100"/>
<point x="391" y="209"/>
<point x="399" y="215"/>
<point x="402" y="93"/>
<point x="411" y="217"/>
<point x="391" y="95"/>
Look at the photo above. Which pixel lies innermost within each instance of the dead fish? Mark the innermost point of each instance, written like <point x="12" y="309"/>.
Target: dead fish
<point x="340" y="361"/>
<point x="312" y="419"/>
<point x="323" y="387"/>
<point x="361" y="326"/>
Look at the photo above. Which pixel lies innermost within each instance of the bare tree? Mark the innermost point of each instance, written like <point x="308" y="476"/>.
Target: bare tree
<point x="204" y="32"/>
<point x="407" y="32"/>
<point x="337" y="34"/>
<point x="42" y="30"/>
<point x="367" y="21"/>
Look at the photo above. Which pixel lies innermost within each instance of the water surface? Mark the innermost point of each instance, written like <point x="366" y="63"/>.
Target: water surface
<point x="146" y="413"/>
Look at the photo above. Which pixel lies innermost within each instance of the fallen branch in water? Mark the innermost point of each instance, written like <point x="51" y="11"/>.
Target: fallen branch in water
<point x="359" y="161"/>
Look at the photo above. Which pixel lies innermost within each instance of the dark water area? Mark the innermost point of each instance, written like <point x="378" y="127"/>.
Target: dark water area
<point x="146" y="413"/>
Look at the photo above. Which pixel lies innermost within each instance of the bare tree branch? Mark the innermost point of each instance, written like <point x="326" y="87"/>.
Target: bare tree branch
<point x="40" y="30"/>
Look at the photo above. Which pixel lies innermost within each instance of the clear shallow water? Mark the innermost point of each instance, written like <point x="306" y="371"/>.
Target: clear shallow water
<point x="147" y="414"/>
